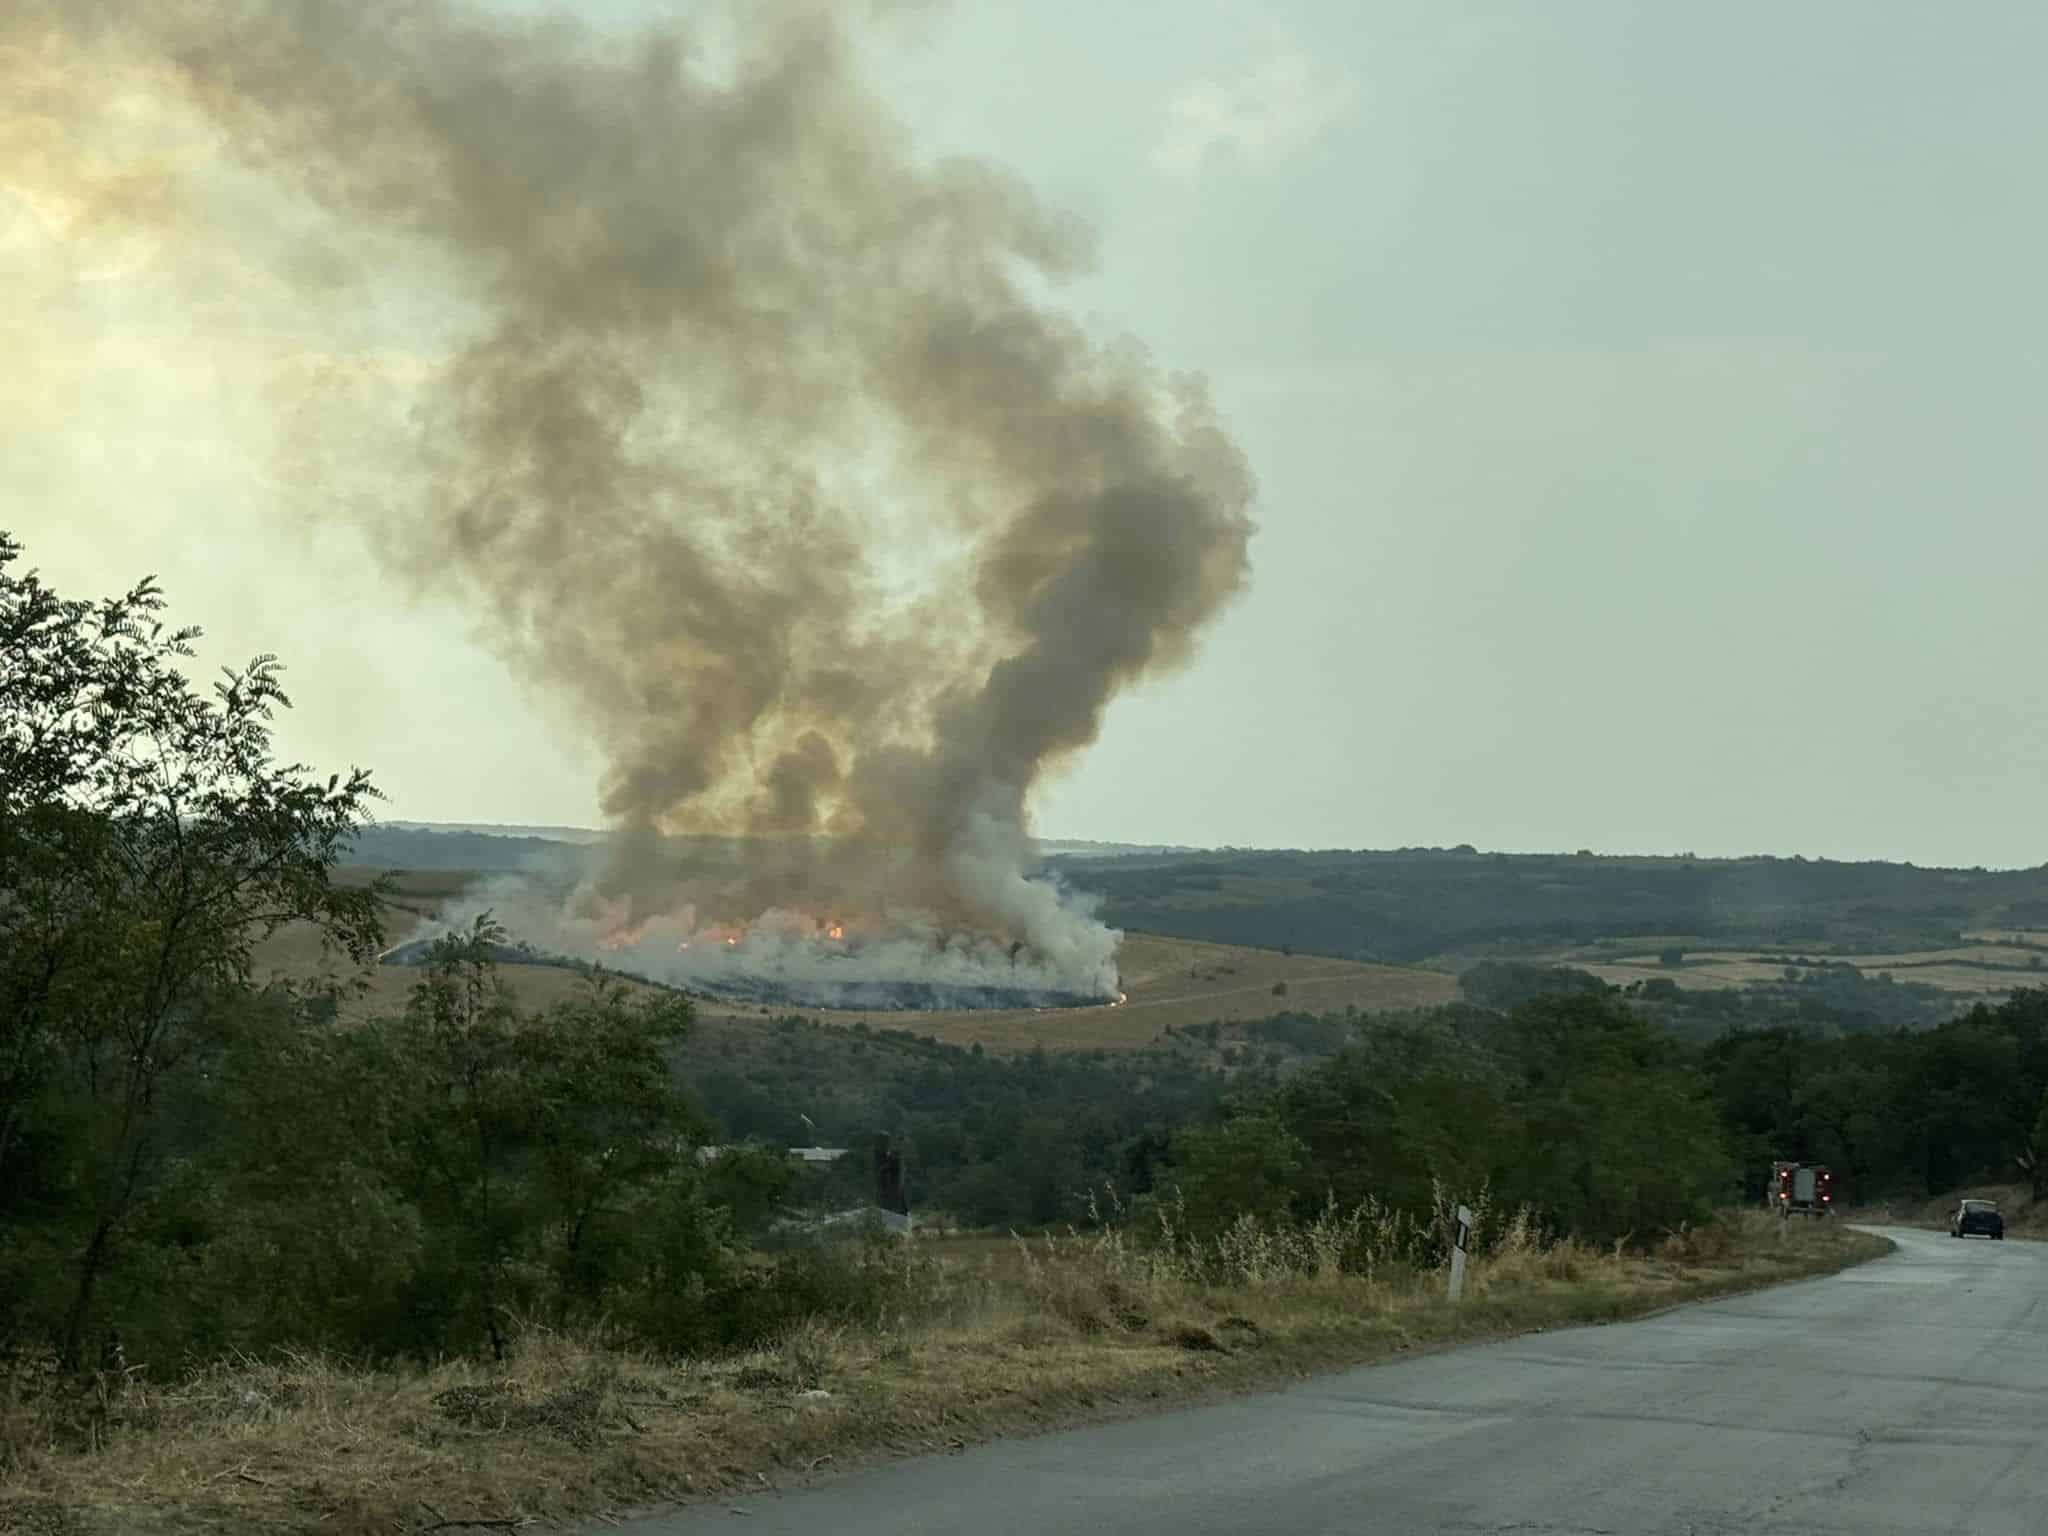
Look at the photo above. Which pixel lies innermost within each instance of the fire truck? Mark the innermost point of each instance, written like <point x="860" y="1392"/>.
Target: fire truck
<point x="1802" y="1189"/>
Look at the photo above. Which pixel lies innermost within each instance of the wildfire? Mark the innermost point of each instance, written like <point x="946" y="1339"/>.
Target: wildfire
<point x="789" y="956"/>
<point x="799" y="926"/>
<point x="728" y="934"/>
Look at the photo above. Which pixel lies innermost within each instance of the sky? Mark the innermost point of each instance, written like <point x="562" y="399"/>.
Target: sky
<point x="1642" y="402"/>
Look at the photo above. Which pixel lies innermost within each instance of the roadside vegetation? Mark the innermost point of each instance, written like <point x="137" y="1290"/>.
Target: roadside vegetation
<point x="927" y="1346"/>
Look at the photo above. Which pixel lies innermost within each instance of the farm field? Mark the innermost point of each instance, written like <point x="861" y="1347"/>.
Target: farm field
<point x="2023" y="938"/>
<point x="1168" y="983"/>
<point x="295" y="953"/>
<point x="1973" y="952"/>
<point x="1708" y="974"/>
<point x="1177" y="983"/>
<point x="1967" y="968"/>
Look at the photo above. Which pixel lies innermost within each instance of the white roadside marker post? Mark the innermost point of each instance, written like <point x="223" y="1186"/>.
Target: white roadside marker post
<point x="1458" y="1251"/>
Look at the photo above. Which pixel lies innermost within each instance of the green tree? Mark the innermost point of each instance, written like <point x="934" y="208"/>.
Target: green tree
<point x="1250" y="1162"/>
<point x="1410" y="1101"/>
<point x="277" y="1223"/>
<point x="752" y="1184"/>
<point x="531" y="1140"/>
<point x="1618" y="1132"/>
<point x="148" y="843"/>
<point x="1504" y="984"/>
<point x="608" y="1123"/>
<point x="2033" y="1159"/>
<point x="407" y="1184"/>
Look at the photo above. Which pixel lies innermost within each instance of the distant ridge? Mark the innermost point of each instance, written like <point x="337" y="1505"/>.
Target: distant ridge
<point x="503" y="829"/>
<point x="1064" y="847"/>
<point x="1084" y="848"/>
<point x="413" y="845"/>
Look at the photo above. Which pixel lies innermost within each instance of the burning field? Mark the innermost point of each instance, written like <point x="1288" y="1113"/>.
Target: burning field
<point x="784" y="961"/>
<point x="1171" y="984"/>
<point x="1168" y="984"/>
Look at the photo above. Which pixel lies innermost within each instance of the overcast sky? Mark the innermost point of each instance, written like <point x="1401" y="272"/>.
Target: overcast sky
<point x="1643" y="400"/>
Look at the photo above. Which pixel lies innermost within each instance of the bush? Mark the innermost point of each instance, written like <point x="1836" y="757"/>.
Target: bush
<point x="875" y="1281"/>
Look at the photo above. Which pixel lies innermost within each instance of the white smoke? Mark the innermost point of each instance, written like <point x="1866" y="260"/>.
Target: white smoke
<point x="1065" y="956"/>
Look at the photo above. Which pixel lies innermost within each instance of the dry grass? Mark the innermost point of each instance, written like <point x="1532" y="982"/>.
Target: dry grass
<point x="990" y="1338"/>
<point x="1956" y="954"/>
<point x="1703" y="972"/>
<point x="1177" y="983"/>
<point x="2023" y="938"/>
<point x="382" y="990"/>
<point x="1169" y="982"/>
<point x="1971" y="979"/>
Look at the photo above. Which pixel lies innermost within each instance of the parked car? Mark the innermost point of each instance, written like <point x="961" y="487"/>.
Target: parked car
<point x="1977" y="1216"/>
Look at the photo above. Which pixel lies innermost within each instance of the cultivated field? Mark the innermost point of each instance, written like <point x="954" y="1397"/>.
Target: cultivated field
<point x="1981" y="965"/>
<point x="2023" y="938"/>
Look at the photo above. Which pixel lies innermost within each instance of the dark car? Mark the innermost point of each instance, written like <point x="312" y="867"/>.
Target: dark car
<point x="1977" y="1216"/>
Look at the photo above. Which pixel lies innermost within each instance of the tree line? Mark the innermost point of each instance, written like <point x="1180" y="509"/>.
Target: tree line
<point x="196" y="1159"/>
<point x="1418" y="904"/>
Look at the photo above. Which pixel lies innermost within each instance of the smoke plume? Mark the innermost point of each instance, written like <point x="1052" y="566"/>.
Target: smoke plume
<point x="740" y="426"/>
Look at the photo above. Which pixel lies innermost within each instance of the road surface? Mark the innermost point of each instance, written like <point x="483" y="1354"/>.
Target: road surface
<point x="1909" y="1394"/>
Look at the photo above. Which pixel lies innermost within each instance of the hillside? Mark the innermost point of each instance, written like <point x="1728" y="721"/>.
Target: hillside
<point x="1447" y="906"/>
<point x="1170" y="984"/>
<point x="1173" y="984"/>
<point x="1442" y="906"/>
<point x="1211" y="934"/>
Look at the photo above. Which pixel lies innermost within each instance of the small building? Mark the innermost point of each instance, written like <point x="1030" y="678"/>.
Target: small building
<point x="817" y="1154"/>
<point x="812" y="1156"/>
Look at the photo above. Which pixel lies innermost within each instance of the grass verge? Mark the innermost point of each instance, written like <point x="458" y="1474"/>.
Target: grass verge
<point x="971" y="1345"/>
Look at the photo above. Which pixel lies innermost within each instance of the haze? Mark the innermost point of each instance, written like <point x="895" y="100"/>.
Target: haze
<point x="1638" y="399"/>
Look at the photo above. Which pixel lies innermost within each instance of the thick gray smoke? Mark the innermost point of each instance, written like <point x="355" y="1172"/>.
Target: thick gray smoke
<point x="737" y="423"/>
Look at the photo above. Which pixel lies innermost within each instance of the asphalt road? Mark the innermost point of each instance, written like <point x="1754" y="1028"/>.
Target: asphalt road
<point x="1910" y="1394"/>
